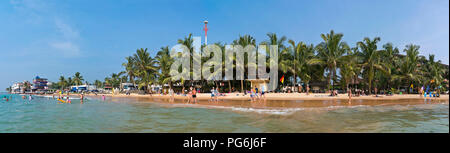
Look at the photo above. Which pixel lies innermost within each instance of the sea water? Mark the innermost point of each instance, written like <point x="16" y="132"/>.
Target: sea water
<point x="45" y="114"/>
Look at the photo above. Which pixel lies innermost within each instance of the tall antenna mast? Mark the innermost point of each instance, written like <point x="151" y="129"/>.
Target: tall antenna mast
<point x="206" y="32"/>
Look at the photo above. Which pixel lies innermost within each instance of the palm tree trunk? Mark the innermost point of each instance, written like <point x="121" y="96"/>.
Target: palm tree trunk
<point x="229" y="85"/>
<point x="295" y="82"/>
<point x="242" y="86"/>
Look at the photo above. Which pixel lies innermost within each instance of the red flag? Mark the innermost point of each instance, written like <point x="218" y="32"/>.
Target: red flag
<point x="282" y="79"/>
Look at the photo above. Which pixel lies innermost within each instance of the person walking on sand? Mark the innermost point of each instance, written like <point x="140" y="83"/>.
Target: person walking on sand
<point x="171" y="94"/>
<point x="256" y="92"/>
<point x="307" y="89"/>
<point x="252" y="94"/>
<point x="190" y="95"/>
<point x="216" y="93"/>
<point x="263" y="90"/>
<point x="212" y="94"/>
<point x="349" y="93"/>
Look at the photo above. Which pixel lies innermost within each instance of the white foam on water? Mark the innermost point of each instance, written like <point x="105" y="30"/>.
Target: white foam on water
<point x="289" y="111"/>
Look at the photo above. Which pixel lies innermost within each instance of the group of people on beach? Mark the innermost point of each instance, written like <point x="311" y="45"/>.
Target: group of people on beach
<point x="430" y="92"/>
<point x="256" y="94"/>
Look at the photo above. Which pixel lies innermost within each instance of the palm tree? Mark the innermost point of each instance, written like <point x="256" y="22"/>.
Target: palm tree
<point x="350" y="69"/>
<point x="189" y="43"/>
<point x="130" y="68"/>
<point x="434" y="71"/>
<point x="243" y="41"/>
<point x="78" y="79"/>
<point x="389" y="61"/>
<point x="69" y="81"/>
<point x="164" y="62"/>
<point x="145" y="68"/>
<point x="284" y="58"/>
<point x="409" y="67"/>
<point x="330" y="54"/>
<point x="62" y="82"/>
<point x="98" y="83"/>
<point x="370" y="57"/>
<point x="302" y="54"/>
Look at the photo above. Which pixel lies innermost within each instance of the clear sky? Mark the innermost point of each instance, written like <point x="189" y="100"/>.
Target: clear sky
<point x="51" y="38"/>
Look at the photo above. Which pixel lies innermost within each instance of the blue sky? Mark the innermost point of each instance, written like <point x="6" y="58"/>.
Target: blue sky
<point x="51" y="38"/>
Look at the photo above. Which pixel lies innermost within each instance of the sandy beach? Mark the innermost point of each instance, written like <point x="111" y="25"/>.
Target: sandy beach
<point x="281" y="96"/>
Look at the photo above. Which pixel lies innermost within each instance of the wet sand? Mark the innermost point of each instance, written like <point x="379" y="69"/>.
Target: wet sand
<point x="278" y="100"/>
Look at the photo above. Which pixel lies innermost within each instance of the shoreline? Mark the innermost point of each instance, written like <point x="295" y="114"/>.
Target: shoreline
<point x="279" y="96"/>
<point x="275" y="103"/>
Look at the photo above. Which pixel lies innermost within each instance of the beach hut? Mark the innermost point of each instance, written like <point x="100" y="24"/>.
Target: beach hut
<point x="259" y="83"/>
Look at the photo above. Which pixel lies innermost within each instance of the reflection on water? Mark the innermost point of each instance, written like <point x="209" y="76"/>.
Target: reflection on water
<point x="134" y="115"/>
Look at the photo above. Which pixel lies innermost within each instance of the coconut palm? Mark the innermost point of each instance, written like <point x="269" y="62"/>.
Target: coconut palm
<point x="69" y="81"/>
<point x="409" y="69"/>
<point x="243" y="41"/>
<point x="98" y="83"/>
<point x="145" y="68"/>
<point x="389" y="61"/>
<point x="370" y="58"/>
<point x="78" y="79"/>
<point x="284" y="58"/>
<point x="434" y="71"/>
<point x="330" y="54"/>
<point x="302" y="53"/>
<point x="350" y="69"/>
<point x="130" y="67"/>
<point x="164" y="62"/>
<point x="62" y="82"/>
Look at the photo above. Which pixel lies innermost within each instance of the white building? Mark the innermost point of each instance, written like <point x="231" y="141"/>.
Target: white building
<point x="17" y="88"/>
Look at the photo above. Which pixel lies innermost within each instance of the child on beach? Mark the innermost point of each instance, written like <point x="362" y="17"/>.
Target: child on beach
<point x="212" y="94"/>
